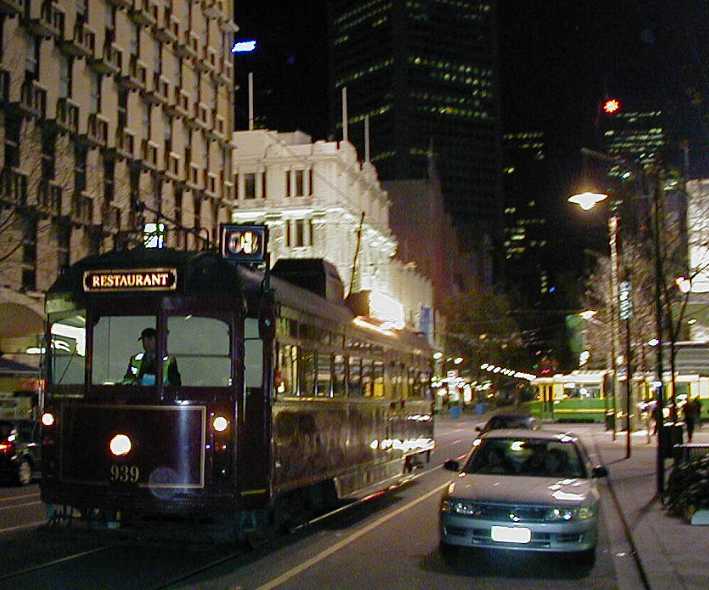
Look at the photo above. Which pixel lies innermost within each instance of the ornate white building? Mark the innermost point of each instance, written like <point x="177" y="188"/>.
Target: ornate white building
<point x="315" y="196"/>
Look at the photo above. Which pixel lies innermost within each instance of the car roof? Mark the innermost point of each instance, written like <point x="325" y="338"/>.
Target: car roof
<point x="536" y="434"/>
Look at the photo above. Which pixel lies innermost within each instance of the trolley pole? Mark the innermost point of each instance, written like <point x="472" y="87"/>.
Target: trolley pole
<point x="625" y="305"/>
<point x="659" y="394"/>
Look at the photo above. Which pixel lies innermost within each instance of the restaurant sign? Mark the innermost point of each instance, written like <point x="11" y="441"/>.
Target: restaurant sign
<point x="147" y="279"/>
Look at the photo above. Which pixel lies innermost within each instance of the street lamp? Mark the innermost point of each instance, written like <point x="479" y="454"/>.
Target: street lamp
<point x="587" y="200"/>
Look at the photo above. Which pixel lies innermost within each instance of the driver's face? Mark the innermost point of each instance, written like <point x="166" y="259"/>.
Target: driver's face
<point x="149" y="343"/>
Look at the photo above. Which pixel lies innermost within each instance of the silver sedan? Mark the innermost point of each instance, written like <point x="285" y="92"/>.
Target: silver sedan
<point x="523" y="490"/>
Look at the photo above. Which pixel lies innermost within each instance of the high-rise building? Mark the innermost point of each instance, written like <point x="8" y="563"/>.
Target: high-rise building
<point x="105" y="104"/>
<point x="636" y="134"/>
<point x="526" y="241"/>
<point x="425" y="73"/>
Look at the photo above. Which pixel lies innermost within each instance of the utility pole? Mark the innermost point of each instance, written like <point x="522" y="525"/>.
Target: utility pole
<point x="659" y="394"/>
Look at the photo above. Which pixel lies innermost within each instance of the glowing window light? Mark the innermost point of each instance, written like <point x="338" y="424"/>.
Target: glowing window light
<point x="244" y="46"/>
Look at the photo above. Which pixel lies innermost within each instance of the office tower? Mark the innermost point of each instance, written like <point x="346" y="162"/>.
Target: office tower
<point x="425" y="73"/>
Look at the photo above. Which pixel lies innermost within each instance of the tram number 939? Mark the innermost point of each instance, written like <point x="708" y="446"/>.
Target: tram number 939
<point x="124" y="473"/>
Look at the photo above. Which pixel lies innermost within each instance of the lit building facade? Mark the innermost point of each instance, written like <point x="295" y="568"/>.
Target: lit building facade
<point x="426" y="75"/>
<point x="314" y="196"/>
<point x="526" y="233"/>
<point x="637" y="134"/>
<point x="106" y="103"/>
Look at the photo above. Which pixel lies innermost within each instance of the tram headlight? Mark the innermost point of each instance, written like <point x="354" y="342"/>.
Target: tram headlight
<point x="120" y="445"/>
<point x="48" y="419"/>
<point x="220" y="423"/>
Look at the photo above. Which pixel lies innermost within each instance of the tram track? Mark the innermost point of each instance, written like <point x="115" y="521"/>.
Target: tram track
<point x="240" y="556"/>
<point x="185" y="577"/>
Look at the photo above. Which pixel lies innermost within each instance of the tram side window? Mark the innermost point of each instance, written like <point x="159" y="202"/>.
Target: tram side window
<point x="339" y="375"/>
<point x="355" y="380"/>
<point x="201" y="347"/>
<point x="324" y="376"/>
<point x="307" y="375"/>
<point x="68" y="349"/>
<point x="120" y="356"/>
<point x="379" y="379"/>
<point x="287" y="377"/>
<point x="367" y="385"/>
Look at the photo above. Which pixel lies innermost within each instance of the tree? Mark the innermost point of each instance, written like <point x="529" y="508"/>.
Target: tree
<point x="482" y="329"/>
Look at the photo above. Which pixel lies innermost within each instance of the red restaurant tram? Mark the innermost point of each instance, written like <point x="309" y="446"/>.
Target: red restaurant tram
<point x="257" y="394"/>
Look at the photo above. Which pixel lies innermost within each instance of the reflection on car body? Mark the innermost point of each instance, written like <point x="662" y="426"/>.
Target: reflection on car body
<point x="20" y="450"/>
<point x="524" y="490"/>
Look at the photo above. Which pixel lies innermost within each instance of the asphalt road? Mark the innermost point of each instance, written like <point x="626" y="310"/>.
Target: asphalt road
<point x="390" y="542"/>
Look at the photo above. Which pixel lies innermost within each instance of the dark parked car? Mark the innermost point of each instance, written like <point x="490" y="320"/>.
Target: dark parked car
<point x="20" y="450"/>
<point x="507" y="421"/>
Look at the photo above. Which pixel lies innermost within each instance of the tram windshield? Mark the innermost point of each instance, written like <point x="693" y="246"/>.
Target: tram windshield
<point x="124" y="350"/>
<point x="68" y="348"/>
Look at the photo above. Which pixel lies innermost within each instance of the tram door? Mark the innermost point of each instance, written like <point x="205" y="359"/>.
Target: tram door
<point x="255" y="419"/>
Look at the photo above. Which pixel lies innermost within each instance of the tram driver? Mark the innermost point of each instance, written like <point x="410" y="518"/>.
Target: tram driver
<point x="142" y="366"/>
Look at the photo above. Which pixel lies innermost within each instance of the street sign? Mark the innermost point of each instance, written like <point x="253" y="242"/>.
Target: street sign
<point x="625" y="301"/>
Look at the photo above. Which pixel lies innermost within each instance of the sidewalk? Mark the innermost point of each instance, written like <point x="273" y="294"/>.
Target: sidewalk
<point x="673" y="554"/>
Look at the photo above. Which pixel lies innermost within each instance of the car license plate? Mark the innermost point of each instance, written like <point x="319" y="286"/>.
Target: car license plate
<point x="505" y="534"/>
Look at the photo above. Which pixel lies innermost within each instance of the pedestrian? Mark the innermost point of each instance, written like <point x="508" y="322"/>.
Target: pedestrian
<point x="692" y="410"/>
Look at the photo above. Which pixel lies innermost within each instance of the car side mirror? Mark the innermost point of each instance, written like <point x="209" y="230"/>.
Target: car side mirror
<point x="451" y="465"/>
<point x="599" y="471"/>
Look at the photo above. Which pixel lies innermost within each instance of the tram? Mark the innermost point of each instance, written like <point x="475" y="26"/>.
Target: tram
<point x="191" y="383"/>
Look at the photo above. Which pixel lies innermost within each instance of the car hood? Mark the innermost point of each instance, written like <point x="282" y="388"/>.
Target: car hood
<point x="511" y="489"/>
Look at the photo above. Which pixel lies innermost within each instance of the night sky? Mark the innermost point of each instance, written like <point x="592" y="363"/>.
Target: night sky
<point x="558" y="59"/>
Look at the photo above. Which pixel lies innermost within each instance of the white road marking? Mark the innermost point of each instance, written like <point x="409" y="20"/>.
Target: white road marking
<point x="21" y="505"/>
<point x="29" y="525"/>
<point x="275" y="582"/>
<point x="10" y="498"/>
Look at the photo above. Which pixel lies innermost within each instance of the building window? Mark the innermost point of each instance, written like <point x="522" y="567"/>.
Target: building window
<point x="29" y="253"/>
<point x="311" y="232"/>
<point x="122" y="108"/>
<point x="65" y="76"/>
<point x="63" y="246"/>
<point x="79" y="168"/>
<point x="263" y="185"/>
<point x="109" y="178"/>
<point x="147" y="121"/>
<point x="249" y="186"/>
<point x="95" y="98"/>
<point x="310" y="181"/>
<point x="288" y="188"/>
<point x="299" y="233"/>
<point x="134" y="44"/>
<point x="288" y="234"/>
<point x="13" y="127"/>
<point x="299" y="183"/>
<point x="48" y="153"/>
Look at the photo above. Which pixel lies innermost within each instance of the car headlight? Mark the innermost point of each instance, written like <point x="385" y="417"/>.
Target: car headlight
<point x="556" y="514"/>
<point x="461" y="507"/>
<point x="586" y="512"/>
<point x="560" y="514"/>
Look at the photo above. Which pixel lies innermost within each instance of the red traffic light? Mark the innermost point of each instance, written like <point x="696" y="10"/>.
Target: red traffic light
<point x="611" y="106"/>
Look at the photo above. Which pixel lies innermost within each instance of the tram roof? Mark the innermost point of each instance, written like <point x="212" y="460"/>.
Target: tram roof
<point x="200" y="270"/>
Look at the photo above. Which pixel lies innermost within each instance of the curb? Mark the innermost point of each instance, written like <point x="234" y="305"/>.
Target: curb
<point x="626" y="528"/>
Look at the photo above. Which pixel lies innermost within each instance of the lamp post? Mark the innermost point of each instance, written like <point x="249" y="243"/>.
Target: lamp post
<point x="590" y="201"/>
<point x="587" y="200"/>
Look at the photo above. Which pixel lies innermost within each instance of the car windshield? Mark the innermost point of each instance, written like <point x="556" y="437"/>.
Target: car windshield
<point x="526" y="457"/>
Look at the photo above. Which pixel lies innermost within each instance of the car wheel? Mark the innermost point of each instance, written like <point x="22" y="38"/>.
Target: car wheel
<point x="449" y="553"/>
<point x="24" y="473"/>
